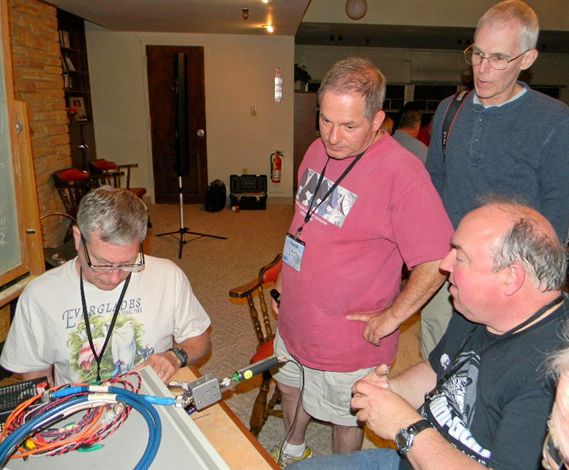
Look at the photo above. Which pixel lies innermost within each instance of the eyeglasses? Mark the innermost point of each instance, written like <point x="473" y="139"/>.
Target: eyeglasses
<point x="108" y="268"/>
<point x="497" y="62"/>
<point x="551" y="450"/>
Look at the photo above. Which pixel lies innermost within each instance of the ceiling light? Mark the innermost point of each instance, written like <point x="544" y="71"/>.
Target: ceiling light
<point x="267" y="1"/>
<point x="356" y="9"/>
<point x="269" y="27"/>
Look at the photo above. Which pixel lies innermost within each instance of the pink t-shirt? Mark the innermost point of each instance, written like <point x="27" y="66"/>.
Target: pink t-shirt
<point x="383" y="213"/>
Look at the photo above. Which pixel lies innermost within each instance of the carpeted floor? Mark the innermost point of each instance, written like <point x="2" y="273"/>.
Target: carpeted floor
<point x="214" y="266"/>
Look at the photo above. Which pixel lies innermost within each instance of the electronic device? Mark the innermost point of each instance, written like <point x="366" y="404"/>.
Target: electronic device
<point x="276" y="295"/>
<point x="182" y="443"/>
<point x="15" y="394"/>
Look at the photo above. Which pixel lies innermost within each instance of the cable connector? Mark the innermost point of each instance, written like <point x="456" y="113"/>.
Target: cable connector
<point x="184" y="400"/>
<point x="205" y="391"/>
<point x="250" y="371"/>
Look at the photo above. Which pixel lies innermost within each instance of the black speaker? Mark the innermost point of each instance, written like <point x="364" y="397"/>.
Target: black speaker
<point x="181" y="107"/>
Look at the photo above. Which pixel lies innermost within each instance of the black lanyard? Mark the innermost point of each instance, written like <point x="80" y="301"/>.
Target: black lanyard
<point x="311" y="211"/>
<point x="509" y="334"/>
<point x="99" y="357"/>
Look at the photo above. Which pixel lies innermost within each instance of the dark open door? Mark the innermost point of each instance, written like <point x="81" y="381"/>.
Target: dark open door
<point x="161" y="66"/>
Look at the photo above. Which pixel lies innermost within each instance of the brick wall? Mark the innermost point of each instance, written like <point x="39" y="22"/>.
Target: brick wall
<point x="38" y="82"/>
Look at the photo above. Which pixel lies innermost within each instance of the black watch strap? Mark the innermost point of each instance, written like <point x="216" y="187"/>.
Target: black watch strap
<point x="419" y="426"/>
<point x="181" y="355"/>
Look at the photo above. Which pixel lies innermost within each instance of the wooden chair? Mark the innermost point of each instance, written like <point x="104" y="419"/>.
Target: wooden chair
<point x="116" y="175"/>
<point x="106" y="173"/>
<point x="72" y="184"/>
<point x="65" y="250"/>
<point x="254" y="292"/>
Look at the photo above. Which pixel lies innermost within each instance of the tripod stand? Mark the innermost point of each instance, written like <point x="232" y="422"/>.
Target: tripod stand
<point x="182" y="146"/>
<point x="182" y="231"/>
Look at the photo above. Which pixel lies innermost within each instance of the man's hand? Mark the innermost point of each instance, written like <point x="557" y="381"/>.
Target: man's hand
<point x="165" y="365"/>
<point x="423" y="282"/>
<point x="379" y="325"/>
<point x="379" y="376"/>
<point x="382" y="410"/>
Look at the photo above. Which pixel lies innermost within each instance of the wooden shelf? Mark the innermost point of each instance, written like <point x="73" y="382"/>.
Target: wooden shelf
<point x="77" y="88"/>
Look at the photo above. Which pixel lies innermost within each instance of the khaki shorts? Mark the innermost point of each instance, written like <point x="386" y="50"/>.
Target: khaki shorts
<point x="326" y="395"/>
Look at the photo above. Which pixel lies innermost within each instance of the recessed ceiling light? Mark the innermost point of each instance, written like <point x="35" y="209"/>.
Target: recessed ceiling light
<point x="267" y="1"/>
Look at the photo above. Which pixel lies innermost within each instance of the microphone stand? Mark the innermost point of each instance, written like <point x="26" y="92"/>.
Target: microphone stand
<point x="182" y="143"/>
<point x="182" y="231"/>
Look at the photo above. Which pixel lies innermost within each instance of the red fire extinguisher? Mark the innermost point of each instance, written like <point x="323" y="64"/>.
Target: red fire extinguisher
<point x="276" y="159"/>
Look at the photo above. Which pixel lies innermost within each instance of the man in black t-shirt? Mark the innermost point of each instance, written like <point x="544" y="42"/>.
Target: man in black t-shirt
<point x="482" y="399"/>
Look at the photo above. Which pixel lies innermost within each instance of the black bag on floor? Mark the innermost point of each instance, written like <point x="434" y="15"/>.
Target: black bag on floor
<point x="215" y="196"/>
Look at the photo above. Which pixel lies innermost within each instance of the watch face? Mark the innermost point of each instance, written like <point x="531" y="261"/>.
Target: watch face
<point x="403" y="440"/>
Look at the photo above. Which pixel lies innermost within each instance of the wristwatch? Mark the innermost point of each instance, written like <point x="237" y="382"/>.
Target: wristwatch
<point x="405" y="437"/>
<point x="181" y="355"/>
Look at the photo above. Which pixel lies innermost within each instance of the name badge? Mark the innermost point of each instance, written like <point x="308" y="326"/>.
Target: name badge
<point x="293" y="251"/>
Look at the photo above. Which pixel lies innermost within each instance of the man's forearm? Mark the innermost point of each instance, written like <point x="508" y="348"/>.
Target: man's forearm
<point x="423" y="282"/>
<point x="414" y="382"/>
<point x="196" y="347"/>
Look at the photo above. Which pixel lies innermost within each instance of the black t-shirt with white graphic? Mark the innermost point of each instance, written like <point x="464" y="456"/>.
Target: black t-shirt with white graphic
<point x="494" y="406"/>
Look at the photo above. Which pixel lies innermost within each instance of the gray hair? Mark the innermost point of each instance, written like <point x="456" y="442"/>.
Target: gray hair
<point x="530" y="244"/>
<point x="518" y="11"/>
<point x="356" y="75"/>
<point x="115" y="215"/>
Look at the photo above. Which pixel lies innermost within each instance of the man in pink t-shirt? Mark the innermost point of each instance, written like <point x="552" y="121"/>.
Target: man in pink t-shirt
<point x="365" y="206"/>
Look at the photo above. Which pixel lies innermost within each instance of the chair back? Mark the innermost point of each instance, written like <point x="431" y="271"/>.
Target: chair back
<point x="106" y="172"/>
<point x="255" y="290"/>
<point x="125" y="179"/>
<point x="115" y="175"/>
<point x="252" y="291"/>
<point x="64" y="249"/>
<point x="72" y="184"/>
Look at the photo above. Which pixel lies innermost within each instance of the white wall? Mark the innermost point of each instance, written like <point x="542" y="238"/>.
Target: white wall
<point x="239" y="73"/>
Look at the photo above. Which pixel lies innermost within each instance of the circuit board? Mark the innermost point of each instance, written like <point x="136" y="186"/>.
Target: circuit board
<point x="13" y="395"/>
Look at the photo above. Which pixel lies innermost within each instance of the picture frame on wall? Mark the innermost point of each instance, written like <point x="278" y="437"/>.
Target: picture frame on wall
<point x="76" y="109"/>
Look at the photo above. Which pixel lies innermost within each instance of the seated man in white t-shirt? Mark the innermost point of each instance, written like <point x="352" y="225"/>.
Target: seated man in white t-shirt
<point x="111" y="308"/>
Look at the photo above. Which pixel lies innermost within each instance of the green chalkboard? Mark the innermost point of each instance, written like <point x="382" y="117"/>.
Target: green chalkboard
<point x="10" y="249"/>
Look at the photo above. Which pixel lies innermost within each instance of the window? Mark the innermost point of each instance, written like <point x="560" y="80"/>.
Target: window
<point x="394" y="98"/>
<point x="428" y="97"/>
<point x="553" y="91"/>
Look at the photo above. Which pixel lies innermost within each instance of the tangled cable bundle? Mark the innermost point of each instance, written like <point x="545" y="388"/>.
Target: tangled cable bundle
<point x="30" y="429"/>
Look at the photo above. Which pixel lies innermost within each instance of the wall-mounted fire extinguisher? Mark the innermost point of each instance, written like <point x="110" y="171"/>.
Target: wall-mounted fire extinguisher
<point x="276" y="160"/>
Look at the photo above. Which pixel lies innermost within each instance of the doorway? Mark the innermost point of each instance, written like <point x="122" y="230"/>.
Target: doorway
<point x="162" y="98"/>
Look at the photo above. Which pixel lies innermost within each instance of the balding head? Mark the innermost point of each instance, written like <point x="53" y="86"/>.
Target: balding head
<point x="530" y="241"/>
<point x="506" y="262"/>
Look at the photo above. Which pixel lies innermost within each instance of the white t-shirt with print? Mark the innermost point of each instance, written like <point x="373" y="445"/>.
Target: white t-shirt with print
<point x="48" y="327"/>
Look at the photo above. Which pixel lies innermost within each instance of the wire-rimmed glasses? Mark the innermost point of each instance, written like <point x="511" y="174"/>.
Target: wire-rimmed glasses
<point x="108" y="268"/>
<point x="473" y="56"/>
